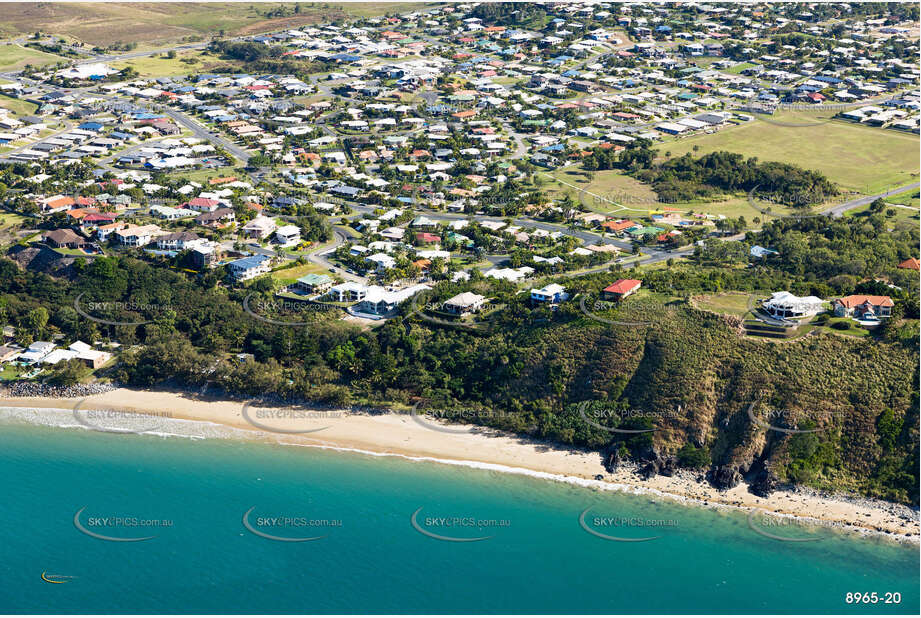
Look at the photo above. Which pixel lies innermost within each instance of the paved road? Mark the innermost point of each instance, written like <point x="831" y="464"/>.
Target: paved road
<point x="202" y="132"/>
<point x="317" y="257"/>
<point x="840" y="209"/>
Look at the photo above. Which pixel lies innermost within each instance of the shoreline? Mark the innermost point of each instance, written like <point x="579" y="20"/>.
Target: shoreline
<point x="405" y="436"/>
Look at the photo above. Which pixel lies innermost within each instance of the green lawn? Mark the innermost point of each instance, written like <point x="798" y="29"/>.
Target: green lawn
<point x="904" y="216"/>
<point x="17" y="106"/>
<point x="8" y="219"/>
<point x="858" y="158"/>
<point x="14" y="57"/>
<point x="907" y="198"/>
<point x="737" y="69"/>
<point x="287" y="276"/>
<point x="161" y="66"/>
<point x="9" y="372"/>
<point x="636" y="199"/>
<point x="726" y="303"/>
<point x="853" y="328"/>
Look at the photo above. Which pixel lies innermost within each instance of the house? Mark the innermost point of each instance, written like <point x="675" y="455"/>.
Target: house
<point x="313" y="284"/>
<point x="171" y="214"/>
<point x="784" y="305"/>
<point x="176" y="240"/>
<point x="94" y="359"/>
<point x="104" y="231"/>
<point x="259" y="227"/>
<point x="57" y="203"/>
<point x="864" y="306"/>
<point x="249" y="267"/>
<point x="218" y="218"/>
<point x="761" y="252"/>
<point x="382" y="261"/>
<point x="8" y="353"/>
<point x="380" y="301"/>
<point x="552" y="293"/>
<point x="910" y="263"/>
<point x="138" y="235"/>
<point x="288" y="235"/>
<point x="618" y="227"/>
<point x="621" y="289"/>
<point x="427" y="238"/>
<point x="348" y="291"/>
<point x="64" y="238"/>
<point x="464" y="303"/>
<point x="37" y="351"/>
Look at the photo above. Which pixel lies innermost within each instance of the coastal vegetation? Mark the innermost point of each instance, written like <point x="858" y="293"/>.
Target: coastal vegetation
<point x="683" y="373"/>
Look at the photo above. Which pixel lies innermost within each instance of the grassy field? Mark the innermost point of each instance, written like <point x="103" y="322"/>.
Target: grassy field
<point x="907" y="198"/>
<point x="635" y="198"/>
<point x="862" y="159"/>
<point x="17" y="106"/>
<point x="144" y="22"/>
<point x="903" y="217"/>
<point x="15" y="57"/>
<point x="204" y="175"/>
<point x="726" y="303"/>
<point x="288" y="276"/>
<point x="185" y="63"/>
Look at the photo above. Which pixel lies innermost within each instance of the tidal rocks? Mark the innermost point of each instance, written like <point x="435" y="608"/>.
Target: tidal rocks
<point x="725" y="477"/>
<point x="764" y="483"/>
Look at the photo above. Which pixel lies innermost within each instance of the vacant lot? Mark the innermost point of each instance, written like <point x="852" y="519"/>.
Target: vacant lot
<point x="104" y="23"/>
<point x="185" y="63"/>
<point x="637" y="199"/>
<point x="17" y="106"/>
<point x="858" y="158"/>
<point x="14" y="57"/>
<point x="287" y="276"/>
<point x="727" y="303"/>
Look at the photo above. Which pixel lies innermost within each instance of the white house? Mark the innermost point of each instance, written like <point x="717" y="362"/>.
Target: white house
<point x="259" y="227"/>
<point x="288" y="235"/>
<point x="786" y="305"/>
<point x="249" y="267"/>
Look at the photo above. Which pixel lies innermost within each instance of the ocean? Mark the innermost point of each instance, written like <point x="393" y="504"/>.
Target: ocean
<point x="235" y="526"/>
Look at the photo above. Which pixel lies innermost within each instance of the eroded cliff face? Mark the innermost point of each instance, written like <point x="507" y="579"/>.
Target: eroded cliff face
<point x="766" y="412"/>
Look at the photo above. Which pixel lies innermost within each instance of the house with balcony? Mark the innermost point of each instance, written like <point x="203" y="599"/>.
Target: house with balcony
<point x="863" y="307"/>
<point x="248" y="268"/>
<point x="552" y="294"/>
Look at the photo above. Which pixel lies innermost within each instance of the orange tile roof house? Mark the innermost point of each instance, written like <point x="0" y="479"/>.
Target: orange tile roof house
<point x="911" y="263"/>
<point x="863" y="306"/>
<point x="621" y="289"/>
<point x="618" y="226"/>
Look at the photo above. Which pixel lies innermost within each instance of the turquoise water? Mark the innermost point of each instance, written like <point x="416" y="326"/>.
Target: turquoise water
<point x="538" y="558"/>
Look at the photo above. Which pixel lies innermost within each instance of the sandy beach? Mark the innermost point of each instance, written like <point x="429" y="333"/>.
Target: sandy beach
<point x="422" y="437"/>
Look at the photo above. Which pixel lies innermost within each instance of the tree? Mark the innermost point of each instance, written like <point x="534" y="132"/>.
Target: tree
<point x="36" y="320"/>
<point x="68" y="373"/>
